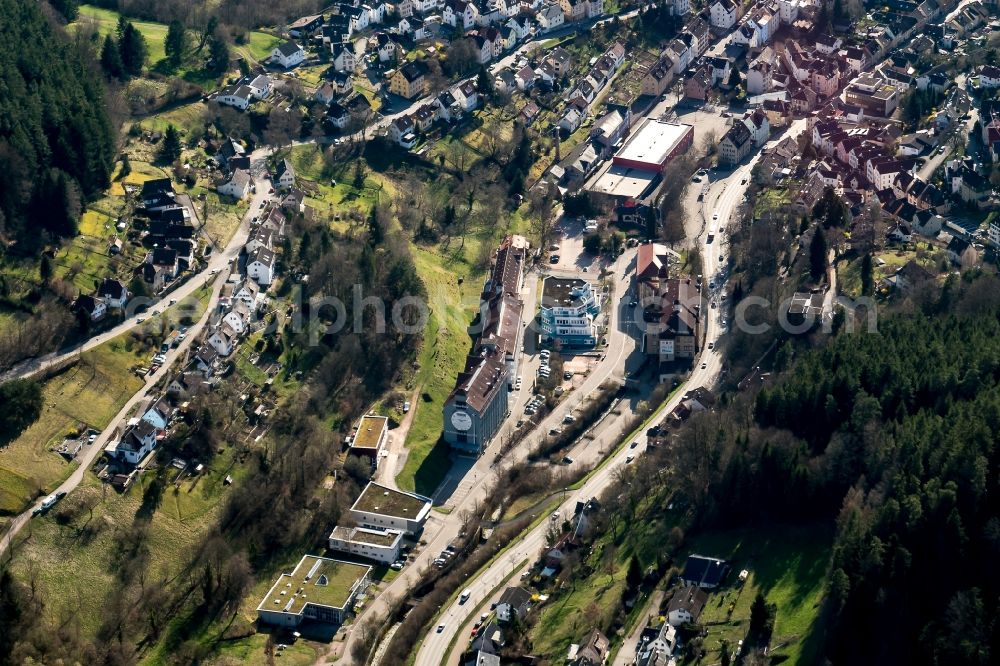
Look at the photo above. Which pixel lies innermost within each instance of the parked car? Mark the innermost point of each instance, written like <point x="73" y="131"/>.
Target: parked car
<point x="406" y="406"/>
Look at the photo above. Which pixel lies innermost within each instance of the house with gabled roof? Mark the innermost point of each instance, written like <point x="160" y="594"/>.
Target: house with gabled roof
<point x="223" y="339"/>
<point x="260" y="266"/>
<point x="237" y="186"/>
<point x="288" y="55"/>
<point x="113" y="292"/>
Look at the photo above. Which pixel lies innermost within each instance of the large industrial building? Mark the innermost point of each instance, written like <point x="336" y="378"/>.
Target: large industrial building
<point x="654" y="145"/>
<point x="478" y="404"/>
<point x="637" y="167"/>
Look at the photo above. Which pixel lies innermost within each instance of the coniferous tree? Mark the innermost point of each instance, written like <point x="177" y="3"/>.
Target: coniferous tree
<point x="866" y="274"/>
<point x="817" y="254"/>
<point x="111" y="58"/>
<point x="171" y="148"/>
<point x="132" y="47"/>
<point x="218" y="51"/>
<point x="175" y="43"/>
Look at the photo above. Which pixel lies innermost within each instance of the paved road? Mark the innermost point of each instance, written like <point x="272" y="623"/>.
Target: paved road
<point x="217" y="263"/>
<point x="626" y="655"/>
<point x="724" y="198"/>
<point x="480" y="474"/>
<point x="220" y="264"/>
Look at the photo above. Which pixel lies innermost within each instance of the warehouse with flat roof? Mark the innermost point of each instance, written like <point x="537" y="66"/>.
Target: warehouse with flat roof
<point x="654" y="144"/>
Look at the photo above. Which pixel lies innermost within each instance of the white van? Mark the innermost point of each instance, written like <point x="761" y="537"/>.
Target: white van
<point x="464" y="596"/>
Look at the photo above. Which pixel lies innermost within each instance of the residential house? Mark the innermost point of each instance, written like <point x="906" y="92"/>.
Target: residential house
<point x="248" y="292"/>
<point x="609" y="130"/>
<point x="550" y="17"/>
<point x="402" y="131"/>
<point x="573" y="10"/>
<point x="989" y="76"/>
<point x="460" y="14"/>
<point x="205" y="359"/>
<point x="154" y="276"/>
<point x="344" y="58"/>
<point x="93" y="307"/>
<point x="593" y="649"/>
<point x="389" y="49"/>
<point x="223" y="339"/>
<point x="158" y="414"/>
<point x="260" y="86"/>
<point x="135" y="444"/>
<point x="288" y="55"/>
<point x="595" y="8"/>
<point x="570" y="120"/>
<point x="260" y="266"/>
<point x="686" y="605"/>
<point x="759" y="127"/>
<point x="524" y="78"/>
<point x="698" y="84"/>
<point x="514" y="602"/>
<point x="239" y="96"/>
<point x="962" y="252"/>
<point x="704" y="572"/>
<point x="424" y="117"/>
<point x="505" y="82"/>
<point x="113" y="293"/>
<point x="723" y="15"/>
<point x="736" y="144"/>
<point x="187" y="385"/>
<point x="305" y="26"/>
<point x="294" y="202"/>
<point x="325" y="93"/>
<point x="275" y="219"/>
<point x="285" y="175"/>
<point x="410" y="80"/>
<point x="165" y="259"/>
<point x="238" y="185"/>
<point x="657" y="78"/>
<point x="466" y="95"/>
<point x="238" y="317"/>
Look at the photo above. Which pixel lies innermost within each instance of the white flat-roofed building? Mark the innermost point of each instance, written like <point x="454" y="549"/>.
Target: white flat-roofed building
<point x="654" y="145"/>
<point x="383" y="508"/>
<point x="379" y="545"/>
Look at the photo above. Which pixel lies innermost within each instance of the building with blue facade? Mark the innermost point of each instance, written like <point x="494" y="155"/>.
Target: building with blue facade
<point x="569" y="313"/>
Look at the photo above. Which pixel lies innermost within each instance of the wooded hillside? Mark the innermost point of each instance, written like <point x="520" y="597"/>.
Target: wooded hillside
<point x="892" y="436"/>
<point x="56" y="143"/>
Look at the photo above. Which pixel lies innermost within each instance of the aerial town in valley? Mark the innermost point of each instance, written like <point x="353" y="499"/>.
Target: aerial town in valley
<point x="483" y="332"/>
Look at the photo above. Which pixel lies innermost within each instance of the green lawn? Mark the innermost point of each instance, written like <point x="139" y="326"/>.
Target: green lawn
<point x="88" y="394"/>
<point x="258" y="45"/>
<point x="442" y="357"/>
<point x="106" y="20"/>
<point x="589" y="602"/>
<point x="789" y="565"/>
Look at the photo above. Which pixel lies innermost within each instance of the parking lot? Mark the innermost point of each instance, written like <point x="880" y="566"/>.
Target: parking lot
<point x="570" y="252"/>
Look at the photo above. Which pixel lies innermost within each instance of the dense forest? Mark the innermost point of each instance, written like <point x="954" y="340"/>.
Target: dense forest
<point x="892" y="436"/>
<point x="56" y="142"/>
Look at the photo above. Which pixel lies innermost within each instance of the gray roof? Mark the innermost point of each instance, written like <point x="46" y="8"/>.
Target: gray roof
<point x="289" y="48"/>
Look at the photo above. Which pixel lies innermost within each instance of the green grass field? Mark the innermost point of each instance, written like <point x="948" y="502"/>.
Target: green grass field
<point x="88" y="394"/>
<point x="258" y="45"/>
<point x="789" y="565"/>
<point x="446" y="344"/>
<point x="588" y="603"/>
<point x="106" y="20"/>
